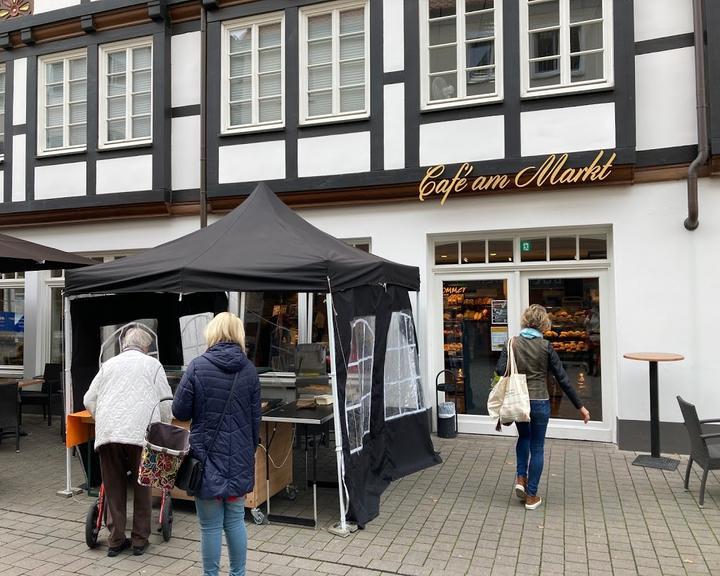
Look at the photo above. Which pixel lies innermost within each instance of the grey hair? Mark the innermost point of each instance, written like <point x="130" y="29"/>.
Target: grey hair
<point x="137" y="338"/>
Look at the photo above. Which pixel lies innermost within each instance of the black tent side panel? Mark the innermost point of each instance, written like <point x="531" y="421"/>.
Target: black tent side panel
<point x="90" y="314"/>
<point x="390" y="449"/>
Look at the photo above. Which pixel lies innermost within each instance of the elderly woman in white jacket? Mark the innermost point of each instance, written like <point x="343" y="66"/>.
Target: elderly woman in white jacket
<point x="121" y="398"/>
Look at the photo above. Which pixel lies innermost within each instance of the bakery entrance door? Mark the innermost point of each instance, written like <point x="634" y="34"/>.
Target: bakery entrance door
<point x="476" y="312"/>
<point x="579" y="307"/>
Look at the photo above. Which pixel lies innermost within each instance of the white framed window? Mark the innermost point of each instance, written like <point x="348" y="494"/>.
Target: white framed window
<point x="335" y="61"/>
<point x="461" y="55"/>
<point x="253" y="71"/>
<point x="358" y="384"/>
<point x="2" y="111"/>
<point x="12" y="321"/>
<point x="125" y="93"/>
<point x="402" y="384"/>
<point x="62" y="102"/>
<point x="566" y="45"/>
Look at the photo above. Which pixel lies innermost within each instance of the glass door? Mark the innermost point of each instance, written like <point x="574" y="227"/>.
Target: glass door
<point x="478" y="316"/>
<point x="578" y="305"/>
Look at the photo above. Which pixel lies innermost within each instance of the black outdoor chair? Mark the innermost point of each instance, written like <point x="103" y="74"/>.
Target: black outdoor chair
<point x="49" y="396"/>
<point x="706" y="454"/>
<point x="9" y="409"/>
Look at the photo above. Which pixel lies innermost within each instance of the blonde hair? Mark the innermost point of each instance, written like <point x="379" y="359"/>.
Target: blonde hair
<point x="535" y="316"/>
<point x="225" y="327"/>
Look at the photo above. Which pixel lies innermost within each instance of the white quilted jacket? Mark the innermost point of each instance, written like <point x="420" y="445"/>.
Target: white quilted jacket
<point x="122" y="395"/>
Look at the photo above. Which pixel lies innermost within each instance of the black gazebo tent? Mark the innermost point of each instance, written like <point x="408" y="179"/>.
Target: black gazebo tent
<point x="263" y="245"/>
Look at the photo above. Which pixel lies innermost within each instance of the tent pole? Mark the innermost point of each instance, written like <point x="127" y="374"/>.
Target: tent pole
<point x="69" y="491"/>
<point x="342" y="529"/>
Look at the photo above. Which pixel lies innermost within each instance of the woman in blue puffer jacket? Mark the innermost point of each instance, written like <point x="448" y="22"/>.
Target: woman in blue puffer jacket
<point x="229" y="471"/>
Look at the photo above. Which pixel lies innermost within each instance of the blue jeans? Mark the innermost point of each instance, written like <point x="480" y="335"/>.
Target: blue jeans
<point x="530" y="448"/>
<point x="215" y="516"/>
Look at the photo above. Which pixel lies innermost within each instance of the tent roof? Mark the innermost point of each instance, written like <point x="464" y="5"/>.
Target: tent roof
<point x="262" y="245"/>
<point x="17" y="255"/>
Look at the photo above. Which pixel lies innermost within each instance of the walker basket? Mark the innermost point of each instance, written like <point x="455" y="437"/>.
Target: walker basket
<point x="165" y="448"/>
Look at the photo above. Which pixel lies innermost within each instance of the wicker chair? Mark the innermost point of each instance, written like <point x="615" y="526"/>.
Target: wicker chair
<point x="706" y="454"/>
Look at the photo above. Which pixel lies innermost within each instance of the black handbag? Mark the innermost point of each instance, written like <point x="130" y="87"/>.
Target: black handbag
<point x="189" y="475"/>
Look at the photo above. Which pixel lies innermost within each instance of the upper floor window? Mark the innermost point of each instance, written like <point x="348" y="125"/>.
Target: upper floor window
<point x="2" y="111"/>
<point x="126" y="93"/>
<point x="335" y="61"/>
<point x="566" y="45"/>
<point x="462" y="51"/>
<point x="253" y="73"/>
<point x="62" y="102"/>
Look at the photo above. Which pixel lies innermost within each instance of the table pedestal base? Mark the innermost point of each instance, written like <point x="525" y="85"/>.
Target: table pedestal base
<point x="69" y="493"/>
<point x="658" y="462"/>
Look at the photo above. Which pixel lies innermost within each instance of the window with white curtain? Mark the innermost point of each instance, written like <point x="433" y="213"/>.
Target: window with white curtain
<point x="461" y="55"/>
<point x="335" y="61"/>
<point x="253" y="73"/>
<point x="126" y="93"/>
<point x="566" y="45"/>
<point x="358" y="385"/>
<point x="62" y="102"/>
<point x="403" y="389"/>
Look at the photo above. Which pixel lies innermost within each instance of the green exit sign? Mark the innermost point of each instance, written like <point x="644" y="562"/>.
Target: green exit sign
<point x="525" y="246"/>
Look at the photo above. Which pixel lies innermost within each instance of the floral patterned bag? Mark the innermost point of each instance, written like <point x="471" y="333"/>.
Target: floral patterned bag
<point x="166" y="445"/>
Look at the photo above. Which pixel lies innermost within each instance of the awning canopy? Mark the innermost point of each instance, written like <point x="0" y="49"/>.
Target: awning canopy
<point x="262" y="245"/>
<point x="18" y="255"/>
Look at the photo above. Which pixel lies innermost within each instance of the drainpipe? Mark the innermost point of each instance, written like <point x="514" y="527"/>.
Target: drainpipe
<point x="203" y="114"/>
<point x="691" y="222"/>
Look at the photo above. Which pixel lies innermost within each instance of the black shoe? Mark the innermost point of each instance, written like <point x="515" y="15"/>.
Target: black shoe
<point x="140" y="550"/>
<point x="115" y="550"/>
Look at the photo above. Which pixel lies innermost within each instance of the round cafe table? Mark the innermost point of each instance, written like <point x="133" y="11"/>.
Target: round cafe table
<point x="654" y="460"/>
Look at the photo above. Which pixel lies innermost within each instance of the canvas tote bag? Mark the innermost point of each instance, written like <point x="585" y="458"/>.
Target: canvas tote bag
<point x="509" y="400"/>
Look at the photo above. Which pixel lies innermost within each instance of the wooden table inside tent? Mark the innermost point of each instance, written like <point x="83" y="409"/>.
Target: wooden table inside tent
<point x="81" y="429"/>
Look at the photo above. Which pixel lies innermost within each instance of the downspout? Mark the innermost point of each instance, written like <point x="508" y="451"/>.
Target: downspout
<point x="691" y="222"/>
<point x="203" y="114"/>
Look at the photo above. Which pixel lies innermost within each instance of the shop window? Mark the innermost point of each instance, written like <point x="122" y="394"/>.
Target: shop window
<point x="573" y="306"/>
<point x="12" y="326"/>
<point x="62" y="102"/>
<point x="500" y="251"/>
<point x="358" y="385"/>
<point x="253" y="73"/>
<point x="126" y="93"/>
<point x="461" y="57"/>
<point x="446" y="253"/>
<point x="56" y="325"/>
<point x="533" y="249"/>
<point x="566" y="45"/>
<point x="2" y="110"/>
<point x="593" y="247"/>
<point x="473" y="252"/>
<point x="563" y="248"/>
<point x="403" y="389"/>
<point x="335" y="61"/>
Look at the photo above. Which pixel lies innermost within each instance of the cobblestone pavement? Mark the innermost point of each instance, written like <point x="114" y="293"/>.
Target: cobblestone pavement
<point x="601" y="516"/>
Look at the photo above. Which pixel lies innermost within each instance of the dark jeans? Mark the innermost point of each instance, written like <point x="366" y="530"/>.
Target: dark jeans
<point x="116" y="460"/>
<point x="530" y="448"/>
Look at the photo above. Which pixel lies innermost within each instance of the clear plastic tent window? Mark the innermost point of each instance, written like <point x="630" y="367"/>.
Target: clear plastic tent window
<point x="403" y="388"/>
<point x="358" y="387"/>
<point x="112" y="338"/>
<point x="192" y="335"/>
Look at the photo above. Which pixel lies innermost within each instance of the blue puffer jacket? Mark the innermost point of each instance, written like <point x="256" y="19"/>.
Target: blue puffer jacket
<point x="201" y="397"/>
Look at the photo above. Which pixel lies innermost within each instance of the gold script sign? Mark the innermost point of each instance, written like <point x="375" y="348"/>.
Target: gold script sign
<point x="551" y="172"/>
